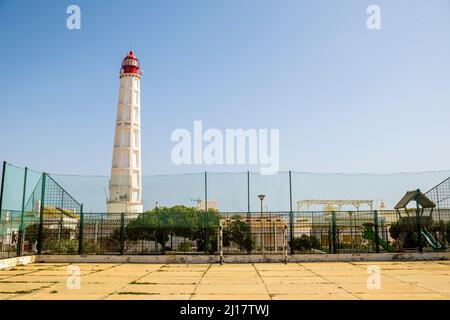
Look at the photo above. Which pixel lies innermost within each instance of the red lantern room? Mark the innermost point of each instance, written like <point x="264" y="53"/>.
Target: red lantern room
<point x="130" y="64"/>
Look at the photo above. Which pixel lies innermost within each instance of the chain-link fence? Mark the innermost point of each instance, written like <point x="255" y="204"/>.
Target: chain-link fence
<point x="184" y="230"/>
<point x="190" y="214"/>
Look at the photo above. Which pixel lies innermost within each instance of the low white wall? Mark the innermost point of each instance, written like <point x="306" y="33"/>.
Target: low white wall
<point x="192" y="259"/>
<point x="18" y="261"/>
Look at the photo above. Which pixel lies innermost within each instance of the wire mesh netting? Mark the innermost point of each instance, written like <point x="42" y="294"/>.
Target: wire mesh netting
<point x="31" y="203"/>
<point x="440" y="194"/>
<point x="228" y="213"/>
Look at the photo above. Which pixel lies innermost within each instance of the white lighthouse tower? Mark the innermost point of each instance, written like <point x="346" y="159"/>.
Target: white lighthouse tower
<point x="125" y="185"/>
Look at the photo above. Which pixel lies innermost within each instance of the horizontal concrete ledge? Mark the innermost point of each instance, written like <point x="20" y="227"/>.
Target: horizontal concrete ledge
<point x="188" y="259"/>
<point x="197" y="259"/>
<point x="17" y="261"/>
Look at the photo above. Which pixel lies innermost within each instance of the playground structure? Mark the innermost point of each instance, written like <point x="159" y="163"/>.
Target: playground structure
<point x="38" y="215"/>
<point x="419" y="220"/>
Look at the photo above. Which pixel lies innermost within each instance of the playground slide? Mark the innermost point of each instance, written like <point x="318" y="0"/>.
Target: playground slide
<point x="430" y="239"/>
<point x="369" y="234"/>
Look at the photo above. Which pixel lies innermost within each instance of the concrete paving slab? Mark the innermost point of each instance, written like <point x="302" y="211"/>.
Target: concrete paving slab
<point x="393" y="288"/>
<point x="60" y="296"/>
<point x="49" y="272"/>
<point x="278" y="273"/>
<point x="441" y="287"/>
<point x="186" y="266"/>
<point x="323" y="296"/>
<point x="444" y="278"/>
<point x="149" y="297"/>
<point x="341" y="280"/>
<point x="120" y="274"/>
<point x="232" y="281"/>
<point x="230" y="297"/>
<point x="278" y="266"/>
<point x="12" y="272"/>
<point x="135" y="267"/>
<point x="29" y="278"/>
<point x="153" y="279"/>
<point x="304" y="288"/>
<point x="295" y="280"/>
<point x="389" y="296"/>
<point x="94" y="279"/>
<point x="157" y="289"/>
<point x="87" y="267"/>
<point x="231" y="289"/>
<point x="359" y="279"/>
<point x="21" y="288"/>
<point x="328" y="265"/>
<point x="7" y="296"/>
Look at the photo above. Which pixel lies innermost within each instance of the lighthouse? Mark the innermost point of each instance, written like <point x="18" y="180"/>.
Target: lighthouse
<point x="125" y="185"/>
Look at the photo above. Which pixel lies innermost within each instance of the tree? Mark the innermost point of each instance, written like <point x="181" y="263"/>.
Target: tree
<point x="189" y="223"/>
<point x="305" y="243"/>
<point x="238" y="232"/>
<point x="404" y="231"/>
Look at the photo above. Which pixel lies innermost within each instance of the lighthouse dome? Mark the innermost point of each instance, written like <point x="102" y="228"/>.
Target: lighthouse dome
<point x="130" y="64"/>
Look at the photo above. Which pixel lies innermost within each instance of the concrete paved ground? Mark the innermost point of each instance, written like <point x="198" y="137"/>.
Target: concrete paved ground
<point x="342" y="280"/>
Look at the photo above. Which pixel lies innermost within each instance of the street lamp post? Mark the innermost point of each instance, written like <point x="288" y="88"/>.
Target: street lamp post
<point x="261" y="197"/>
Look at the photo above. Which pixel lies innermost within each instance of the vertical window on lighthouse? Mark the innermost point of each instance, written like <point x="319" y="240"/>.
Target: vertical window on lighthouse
<point x="126" y="138"/>
<point x="135" y="138"/>
<point x="135" y="159"/>
<point x="119" y="112"/>
<point x="127" y="113"/>
<point x="136" y="97"/>
<point x="118" y="138"/>
<point x="136" y="114"/>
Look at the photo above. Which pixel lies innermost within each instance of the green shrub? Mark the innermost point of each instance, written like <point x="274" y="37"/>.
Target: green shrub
<point x="90" y="247"/>
<point x="62" y="246"/>
<point x="404" y="231"/>
<point x="184" y="246"/>
<point x="304" y="243"/>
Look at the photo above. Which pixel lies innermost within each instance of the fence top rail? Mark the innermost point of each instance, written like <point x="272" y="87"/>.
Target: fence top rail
<point x="243" y="213"/>
<point x="251" y="172"/>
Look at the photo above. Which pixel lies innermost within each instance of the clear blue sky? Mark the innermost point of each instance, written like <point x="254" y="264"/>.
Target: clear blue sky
<point x="346" y="99"/>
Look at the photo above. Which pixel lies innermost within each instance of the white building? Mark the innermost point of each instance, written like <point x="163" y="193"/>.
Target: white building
<point x="211" y="204"/>
<point x="125" y="185"/>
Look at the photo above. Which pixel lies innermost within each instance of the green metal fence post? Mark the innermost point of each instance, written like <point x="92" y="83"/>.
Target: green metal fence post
<point x="206" y="191"/>
<point x="330" y="244"/>
<point x="249" y="215"/>
<point x="248" y="195"/>
<point x="377" y="239"/>
<point x="206" y="213"/>
<point x="122" y="233"/>
<point x="41" y="215"/>
<point x="80" y="233"/>
<point x="333" y="232"/>
<point x="419" y="229"/>
<point x="2" y="187"/>
<point x="163" y="233"/>
<point x="291" y="215"/>
<point x="22" y="213"/>
<point x="441" y="223"/>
